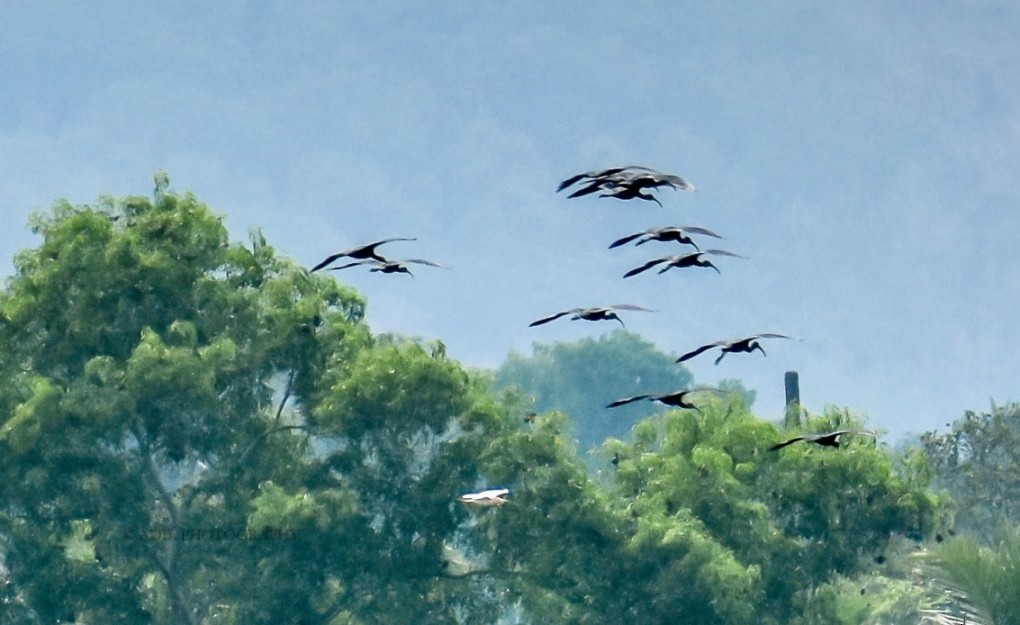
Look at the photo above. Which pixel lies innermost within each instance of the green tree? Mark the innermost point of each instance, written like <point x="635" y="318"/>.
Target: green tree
<point x="978" y="464"/>
<point x="797" y="517"/>
<point x="702" y="523"/>
<point x="581" y="377"/>
<point x="195" y="431"/>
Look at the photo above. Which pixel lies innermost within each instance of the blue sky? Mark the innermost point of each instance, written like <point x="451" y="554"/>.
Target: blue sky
<point x="864" y="156"/>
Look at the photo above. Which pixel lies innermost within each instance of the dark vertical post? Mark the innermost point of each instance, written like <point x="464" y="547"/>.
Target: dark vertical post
<point x="792" y="417"/>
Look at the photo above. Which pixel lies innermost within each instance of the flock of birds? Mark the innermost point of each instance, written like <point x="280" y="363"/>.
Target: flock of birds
<point x="636" y="182"/>
<point x="631" y="182"/>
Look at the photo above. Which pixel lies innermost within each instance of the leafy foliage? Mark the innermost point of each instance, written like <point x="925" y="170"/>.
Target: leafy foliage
<point x="197" y="431"/>
<point x="982" y="581"/>
<point x="978" y="463"/>
<point x="580" y="378"/>
<point x="794" y="517"/>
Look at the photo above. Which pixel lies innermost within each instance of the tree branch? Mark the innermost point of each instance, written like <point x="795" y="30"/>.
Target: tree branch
<point x="178" y="605"/>
<point x="266" y="434"/>
<point x="286" y="396"/>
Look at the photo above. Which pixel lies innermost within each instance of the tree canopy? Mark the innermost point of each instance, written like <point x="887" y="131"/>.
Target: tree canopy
<point x="218" y="433"/>
<point x="200" y="431"/>
<point x="978" y="463"/>
<point x="580" y="378"/>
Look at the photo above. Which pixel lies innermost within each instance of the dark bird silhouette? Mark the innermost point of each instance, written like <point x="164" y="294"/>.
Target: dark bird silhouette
<point x="362" y="252"/>
<point x="628" y="192"/>
<point x="389" y="266"/>
<point x="677" y="399"/>
<point x="653" y="180"/>
<point x="624" y="183"/>
<point x="600" y="313"/>
<point x="748" y="344"/>
<point x="600" y="174"/>
<point x="829" y="439"/>
<point x="697" y="259"/>
<point x="680" y="234"/>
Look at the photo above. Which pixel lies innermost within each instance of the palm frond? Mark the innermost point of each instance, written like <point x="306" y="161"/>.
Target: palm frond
<point x="982" y="583"/>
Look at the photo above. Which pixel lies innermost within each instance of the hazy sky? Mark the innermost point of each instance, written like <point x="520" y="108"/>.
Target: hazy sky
<point x="864" y="156"/>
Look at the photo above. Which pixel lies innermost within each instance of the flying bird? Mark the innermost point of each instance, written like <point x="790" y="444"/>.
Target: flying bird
<point x="599" y="174"/>
<point x="600" y="313"/>
<point x="748" y="345"/>
<point x="677" y="399"/>
<point x="487" y="498"/>
<point x="624" y="183"/>
<point x="829" y="439"/>
<point x="697" y="259"/>
<point x="362" y="252"/>
<point x="389" y="266"/>
<point x="626" y="192"/>
<point x="680" y="234"/>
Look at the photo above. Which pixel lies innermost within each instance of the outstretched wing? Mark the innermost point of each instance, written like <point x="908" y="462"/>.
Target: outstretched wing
<point x="492" y="492"/>
<point x="676" y="182"/>
<point x="553" y="317"/>
<point x="422" y="261"/>
<point x="630" y="307"/>
<point x="601" y="174"/>
<point x="620" y="402"/>
<point x="357" y="262"/>
<point x="570" y="181"/>
<point x="487" y="498"/>
<point x="700" y="230"/>
<point x="722" y="253"/>
<point x="769" y="335"/>
<point x="627" y="239"/>
<point x="708" y="389"/>
<point x="368" y="251"/>
<point x="647" y="266"/>
<point x="362" y="249"/>
<point x="378" y="243"/>
<point x="702" y="349"/>
<point x="786" y="442"/>
<point x="591" y="188"/>
<point x="327" y="261"/>
<point x="838" y="433"/>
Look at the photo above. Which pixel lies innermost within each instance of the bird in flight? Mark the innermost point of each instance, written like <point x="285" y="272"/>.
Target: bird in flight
<point x="747" y="344"/>
<point x="621" y="191"/>
<point x="697" y="259"/>
<point x="829" y="439"/>
<point x="600" y="313"/>
<point x="389" y="266"/>
<point x="600" y="174"/>
<point x="362" y="252"/>
<point x="677" y="399"/>
<point x="624" y="183"/>
<point x="491" y="498"/>
<point x="680" y="234"/>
